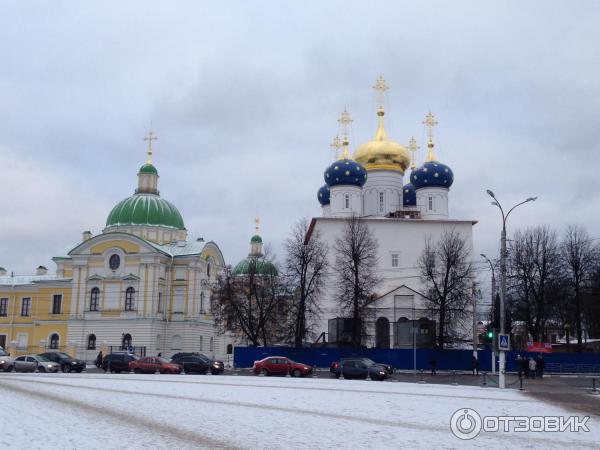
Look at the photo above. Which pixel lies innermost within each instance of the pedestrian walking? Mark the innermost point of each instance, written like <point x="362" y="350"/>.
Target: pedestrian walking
<point x="539" y="365"/>
<point x="433" y="364"/>
<point x="98" y="361"/>
<point x="475" y="365"/>
<point x="519" y="361"/>
<point x="532" y="365"/>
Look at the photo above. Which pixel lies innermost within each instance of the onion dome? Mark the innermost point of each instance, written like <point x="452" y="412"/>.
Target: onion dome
<point x="382" y="153"/>
<point x="256" y="239"/>
<point x="148" y="168"/>
<point x="345" y="172"/>
<point x="323" y="195"/>
<point x="254" y="266"/>
<point x="409" y="195"/>
<point x="147" y="210"/>
<point x="432" y="174"/>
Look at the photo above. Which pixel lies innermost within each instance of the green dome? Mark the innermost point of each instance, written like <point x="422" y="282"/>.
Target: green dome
<point x="145" y="209"/>
<point x="148" y="168"/>
<point x="253" y="265"/>
<point x="256" y="239"/>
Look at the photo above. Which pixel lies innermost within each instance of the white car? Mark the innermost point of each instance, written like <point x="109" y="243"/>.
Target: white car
<point x="5" y="360"/>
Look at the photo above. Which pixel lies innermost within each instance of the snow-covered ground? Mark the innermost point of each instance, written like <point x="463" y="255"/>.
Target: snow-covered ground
<point x="184" y="411"/>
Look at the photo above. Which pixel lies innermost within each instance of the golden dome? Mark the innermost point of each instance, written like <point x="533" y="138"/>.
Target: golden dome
<point x="381" y="153"/>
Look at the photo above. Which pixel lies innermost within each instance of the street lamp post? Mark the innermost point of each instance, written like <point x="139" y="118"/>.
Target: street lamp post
<point x="501" y="382"/>
<point x="493" y="312"/>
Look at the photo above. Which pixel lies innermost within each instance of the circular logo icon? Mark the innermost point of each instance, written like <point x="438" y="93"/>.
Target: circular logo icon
<point x="465" y="423"/>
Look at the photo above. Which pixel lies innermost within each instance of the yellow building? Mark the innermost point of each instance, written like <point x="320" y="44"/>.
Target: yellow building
<point x="139" y="285"/>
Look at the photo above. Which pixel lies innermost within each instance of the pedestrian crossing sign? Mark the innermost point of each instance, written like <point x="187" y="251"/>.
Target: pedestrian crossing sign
<point x="503" y="342"/>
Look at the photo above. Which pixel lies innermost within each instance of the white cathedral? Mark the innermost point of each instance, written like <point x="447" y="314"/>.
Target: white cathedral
<point x="401" y="215"/>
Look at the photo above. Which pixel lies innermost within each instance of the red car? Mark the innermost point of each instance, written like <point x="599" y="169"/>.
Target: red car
<point x="280" y="365"/>
<point x="153" y="364"/>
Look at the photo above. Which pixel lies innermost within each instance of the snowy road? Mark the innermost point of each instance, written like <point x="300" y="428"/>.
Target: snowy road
<point x="179" y="411"/>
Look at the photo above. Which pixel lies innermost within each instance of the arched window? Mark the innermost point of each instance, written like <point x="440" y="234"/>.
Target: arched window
<point x="381" y="202"/>
<point x="54" y="341"/>
<point x="208" y="268"/>
<point x="94" y="299"/>
<point x="129" y="299"/>
<point x="347" y="201"/>
<point x="91" y="345"/>
<point x="126" y="341"/>
<point x="176" y="342"/>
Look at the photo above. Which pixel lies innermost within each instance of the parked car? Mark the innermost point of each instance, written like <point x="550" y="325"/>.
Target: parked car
<point x="66" y="362"/>
<point x="359" y="369"/>
<point x="387" y="367"/>
<point x="153" y="364"/>
<point x="192" y="363"/>
<point x="5" y="360"/>
<point x="216" y="367"/>
<point x="117" y="362"/>
<point x="32" y="363"/>
<point x="280" y="365"/>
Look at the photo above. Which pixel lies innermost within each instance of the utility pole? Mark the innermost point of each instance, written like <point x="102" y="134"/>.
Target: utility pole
<point x="501" y="379"/>
<point x="493" y="312"/>
<point x="475" y="334"/>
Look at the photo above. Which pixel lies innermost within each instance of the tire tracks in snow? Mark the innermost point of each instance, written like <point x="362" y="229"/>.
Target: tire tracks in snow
<point x="186" y="437"/>
<point x="302" y="388"/>
<point x="517" y="438"/>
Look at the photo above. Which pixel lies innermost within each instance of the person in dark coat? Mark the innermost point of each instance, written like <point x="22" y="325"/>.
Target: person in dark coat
<point x="433" y="364"/>
<point x="526" y="367"/>
<point x="539" y="366"/>
<point x="475" y="365"/>
<point x="519" y="362"/>
<point x="98" y="361"/>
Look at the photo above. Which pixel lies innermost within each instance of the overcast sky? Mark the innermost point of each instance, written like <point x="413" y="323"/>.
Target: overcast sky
<point x="244" y="97"/>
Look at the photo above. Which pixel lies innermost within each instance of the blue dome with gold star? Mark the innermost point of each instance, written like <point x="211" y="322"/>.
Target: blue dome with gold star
<point x="432" y="174"/>
<point x="345" y="172"/>
<point x="323" y="195"/>
<point x="409" y="195"/>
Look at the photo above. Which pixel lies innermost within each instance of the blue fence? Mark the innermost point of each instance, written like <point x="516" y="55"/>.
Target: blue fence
<point x="402" y="359"/>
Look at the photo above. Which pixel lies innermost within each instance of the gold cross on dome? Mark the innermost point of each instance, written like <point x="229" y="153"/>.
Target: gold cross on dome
<point x="413" y="147"/>
<point x="380" y="88"/>
<point x="151" y="137"/>
<point x="429" y="123"/>
<point x="336" y="145"/>
<point x="257" y="225"/>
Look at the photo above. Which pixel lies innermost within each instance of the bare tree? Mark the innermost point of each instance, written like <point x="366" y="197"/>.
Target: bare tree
<point x="306" y="267"/>
<point x="246" y="303"/>
<point x="534" y="260"/>
<point x="447" y="274"/>
<point x="579" y="262"/>
<point x="355" y="273"/>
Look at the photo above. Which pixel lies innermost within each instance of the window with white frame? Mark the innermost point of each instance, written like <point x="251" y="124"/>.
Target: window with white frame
<point x="395" y="260"/>
<point x="94" y="299"/>
<point x="129" y="299"/>
<point x="26" y="306"/>
<point x="381" y="202"/>
<point x="3" y="307"/>
<point x="430" y="203"/>
<point x="201" y="302"/>
<point x="159" y="306"/>
<point x="347" y="201"/>
<point x="212" y="344"/>
<point x="22" y="340"/>
<point x="56" y="304"/>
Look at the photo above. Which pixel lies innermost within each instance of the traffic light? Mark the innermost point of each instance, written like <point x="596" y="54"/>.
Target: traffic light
<point x="490" y="334"/>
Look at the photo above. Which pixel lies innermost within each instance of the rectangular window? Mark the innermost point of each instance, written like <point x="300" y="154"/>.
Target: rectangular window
<point x="25" y="306"/>
<point x="3" y="341"/>
<point x="347" y="201"/>
<point x="56" y="304"/>
<point x="394" y="259"/>
<point x="430" y="203"/>
<point x="22" y="341"/>
<point x="3" y="307"/>
<point x="159" y="307"/>
<point x="381" y="202"/>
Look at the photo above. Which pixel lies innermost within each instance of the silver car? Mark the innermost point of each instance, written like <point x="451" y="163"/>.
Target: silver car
<point x="32" y="363"/>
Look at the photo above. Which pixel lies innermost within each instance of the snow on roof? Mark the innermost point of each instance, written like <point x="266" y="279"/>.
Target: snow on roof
<point x="28" y="279"/>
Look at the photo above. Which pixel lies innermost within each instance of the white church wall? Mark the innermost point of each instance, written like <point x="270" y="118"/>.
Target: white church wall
<point x="386" y="182"/>
<point x="346" y="201"/>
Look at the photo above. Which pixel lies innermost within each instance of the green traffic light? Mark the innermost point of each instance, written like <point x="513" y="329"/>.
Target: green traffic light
<point x="490" y="334"/>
